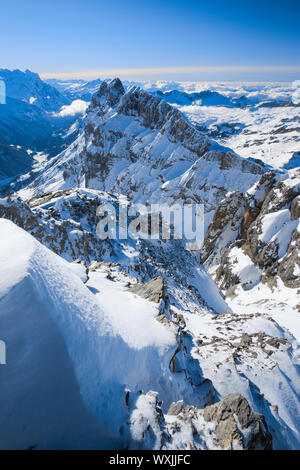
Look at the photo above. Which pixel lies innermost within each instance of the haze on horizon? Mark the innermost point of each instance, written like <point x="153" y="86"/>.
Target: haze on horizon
<point x="168" y="40"/>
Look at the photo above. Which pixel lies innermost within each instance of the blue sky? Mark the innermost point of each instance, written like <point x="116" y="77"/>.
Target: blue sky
<point x="180" y="40"/>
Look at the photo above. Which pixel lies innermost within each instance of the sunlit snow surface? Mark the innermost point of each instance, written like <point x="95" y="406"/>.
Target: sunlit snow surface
<point x="255" y="130"/>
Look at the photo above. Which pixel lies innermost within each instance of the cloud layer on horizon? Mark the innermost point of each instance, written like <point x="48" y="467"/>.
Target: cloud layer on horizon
<point x="141" y="73"/>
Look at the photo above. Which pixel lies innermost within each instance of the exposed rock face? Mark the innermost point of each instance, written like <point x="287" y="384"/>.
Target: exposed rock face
<point x="56" y="231"/>
<point x="229" y="424"/>
<point x="238" y="425"/>
<point x="176" y="408"/>
<point x="276" y="221"/>
<point x="295" y="208"/>
<point x="228" y="274"/>
<point x="233" y="218"/>
<point x="152" y="290"/>
<point x="289" y="267"/>
<point x="255" y="236"/>
<point x="108" y="94"/>
<point x="225" y="227"/>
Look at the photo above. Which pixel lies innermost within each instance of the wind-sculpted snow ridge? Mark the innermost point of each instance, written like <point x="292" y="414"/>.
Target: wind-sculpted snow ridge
<point x="137" y="144"/>
<point x="72" y="363"/>
<point x="133" y="284"/>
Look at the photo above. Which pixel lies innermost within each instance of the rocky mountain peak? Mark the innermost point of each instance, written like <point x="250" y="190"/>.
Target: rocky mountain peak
<point x="152" y="110"/>
<point x="109" y="93"/>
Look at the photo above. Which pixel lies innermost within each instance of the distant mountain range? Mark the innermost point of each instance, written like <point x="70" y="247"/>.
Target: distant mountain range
<point x="30" y="122"/>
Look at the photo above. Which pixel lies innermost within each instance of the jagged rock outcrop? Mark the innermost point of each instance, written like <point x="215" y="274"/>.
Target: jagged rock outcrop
<point x="65" y="236"/>
<point x="295" y="208"/>
<point x="108" y="95"/>
<point x="272" y="238"/>
<point x="152" y="290"/>
<point x="289" y="266"/>
<point x="237" y="425"/>
<point x="255" y="236"/>
<point x="233" y="217"/>
<point x="229" y="424"/>
<point x="224" y="228"/>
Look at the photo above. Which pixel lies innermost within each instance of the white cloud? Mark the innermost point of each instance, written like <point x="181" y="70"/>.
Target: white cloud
<point x="76" y="107"/>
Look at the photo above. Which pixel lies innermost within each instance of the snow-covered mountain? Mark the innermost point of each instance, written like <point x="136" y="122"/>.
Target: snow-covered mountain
<point x="252" y="249"/>
<point x="202" y="98"/>
<point x="154" y="354"/>
<point x="257" y="120"/>
<point x="29" y="88"/>
<point x="138" y="145"/>
<point x="34" y="120"/>
<point x="76" y="89"/>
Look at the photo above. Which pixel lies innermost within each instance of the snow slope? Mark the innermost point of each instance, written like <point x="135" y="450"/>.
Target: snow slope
<point x="66" y="223"/>
<point x="65" y="342"/>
